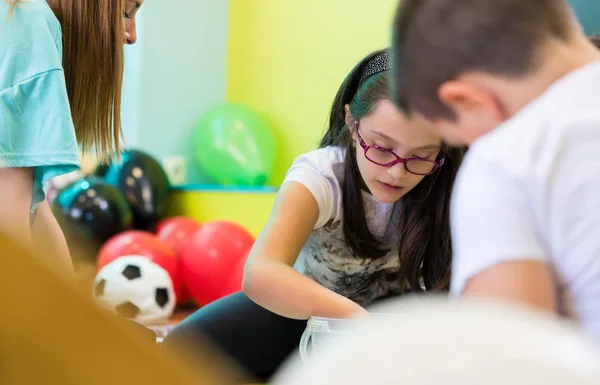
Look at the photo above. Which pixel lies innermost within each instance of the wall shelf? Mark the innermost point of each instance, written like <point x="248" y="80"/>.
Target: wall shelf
<point x="198" y="187"/>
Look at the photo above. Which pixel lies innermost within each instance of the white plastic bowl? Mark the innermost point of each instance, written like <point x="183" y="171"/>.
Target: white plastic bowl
<point x="161" y="332"/>
<point x="321" y="332"/>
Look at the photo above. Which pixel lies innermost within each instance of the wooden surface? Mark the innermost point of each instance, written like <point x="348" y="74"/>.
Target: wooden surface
<point x="180" y="315"/>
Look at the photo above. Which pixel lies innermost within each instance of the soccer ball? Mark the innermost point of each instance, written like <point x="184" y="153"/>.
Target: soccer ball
<point x="136" y="288"/>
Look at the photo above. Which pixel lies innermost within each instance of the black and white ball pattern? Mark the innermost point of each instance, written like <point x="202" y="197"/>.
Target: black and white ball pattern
<point x="136" y="288"/>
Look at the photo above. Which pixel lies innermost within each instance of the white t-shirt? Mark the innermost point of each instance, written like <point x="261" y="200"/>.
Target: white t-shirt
<point x="530" y="190"/>
<point x="325" y="257"/>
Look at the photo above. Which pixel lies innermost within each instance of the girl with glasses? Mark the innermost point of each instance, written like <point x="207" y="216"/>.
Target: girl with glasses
<point x="362" y="218"/>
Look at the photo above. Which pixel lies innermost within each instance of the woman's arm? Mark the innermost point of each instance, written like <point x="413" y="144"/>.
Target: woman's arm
<point x="49" y="237"/>
<point x="44" y="234"/>
<point x="270" y="279"/>
<point x="16" y="189"/>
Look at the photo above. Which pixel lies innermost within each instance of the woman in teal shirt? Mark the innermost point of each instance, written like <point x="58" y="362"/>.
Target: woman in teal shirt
<point x="61" y="70"/>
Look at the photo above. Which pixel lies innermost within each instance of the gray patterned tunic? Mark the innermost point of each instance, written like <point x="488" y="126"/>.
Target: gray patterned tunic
<point x="325" y="257"/>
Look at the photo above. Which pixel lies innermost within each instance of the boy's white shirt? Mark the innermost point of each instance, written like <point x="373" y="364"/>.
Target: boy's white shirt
<point x="530" y="190"/>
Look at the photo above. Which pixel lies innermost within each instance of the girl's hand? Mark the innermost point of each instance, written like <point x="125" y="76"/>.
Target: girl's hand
<point x="360" y="313"/>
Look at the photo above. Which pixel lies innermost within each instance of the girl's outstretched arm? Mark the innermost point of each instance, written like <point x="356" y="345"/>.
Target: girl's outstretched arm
<point x="270" y="279"/>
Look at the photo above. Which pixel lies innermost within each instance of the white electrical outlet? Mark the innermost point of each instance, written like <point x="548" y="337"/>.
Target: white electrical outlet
<point x="176" y="169"/>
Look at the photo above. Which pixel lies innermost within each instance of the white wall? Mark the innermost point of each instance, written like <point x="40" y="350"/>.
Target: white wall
<point x="132" y="80"/>
<point x="173" y="74"/>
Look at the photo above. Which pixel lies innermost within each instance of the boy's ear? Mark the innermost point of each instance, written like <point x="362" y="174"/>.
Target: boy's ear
<point x="461" y="96"/>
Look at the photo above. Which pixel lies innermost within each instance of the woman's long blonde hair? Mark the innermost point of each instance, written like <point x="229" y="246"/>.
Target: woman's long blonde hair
<point x="93" y="33"/>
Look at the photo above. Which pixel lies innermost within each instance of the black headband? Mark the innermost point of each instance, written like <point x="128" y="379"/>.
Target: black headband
<point x="379" y="63"/>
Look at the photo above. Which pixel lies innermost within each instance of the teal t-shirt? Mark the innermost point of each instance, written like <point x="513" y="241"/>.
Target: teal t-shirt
<point x="36" y="127"/>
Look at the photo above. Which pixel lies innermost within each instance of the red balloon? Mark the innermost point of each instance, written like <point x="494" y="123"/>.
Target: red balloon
<point x="235" y="279"/>
<point x="175" y="232"/>
<point x="209" y="258"/>
<point x="143" y="244"/>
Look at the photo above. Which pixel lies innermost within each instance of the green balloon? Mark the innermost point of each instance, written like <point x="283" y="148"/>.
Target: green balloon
<point x="234" y="145"/>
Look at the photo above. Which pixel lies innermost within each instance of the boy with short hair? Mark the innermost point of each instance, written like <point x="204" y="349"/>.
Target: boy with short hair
<point x="517" y="81"/>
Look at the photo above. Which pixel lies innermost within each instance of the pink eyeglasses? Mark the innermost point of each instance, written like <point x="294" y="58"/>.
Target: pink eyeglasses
<point x="387" y="158"/>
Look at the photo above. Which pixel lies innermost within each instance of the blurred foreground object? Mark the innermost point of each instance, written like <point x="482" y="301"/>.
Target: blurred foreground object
<point x="435" y="342"/>
<point x="51" y="334"/>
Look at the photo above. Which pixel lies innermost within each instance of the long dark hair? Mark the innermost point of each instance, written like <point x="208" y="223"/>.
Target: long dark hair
<point x="425" y="247"/>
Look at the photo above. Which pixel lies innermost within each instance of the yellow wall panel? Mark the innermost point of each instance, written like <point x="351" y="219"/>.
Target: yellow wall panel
<point x="248" y="209"/>
<point x="287" y="58"/>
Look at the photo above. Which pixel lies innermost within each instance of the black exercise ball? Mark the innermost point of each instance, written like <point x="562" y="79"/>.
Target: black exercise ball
<point x="144" y="184"/>
<point x="93" y="208"/>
